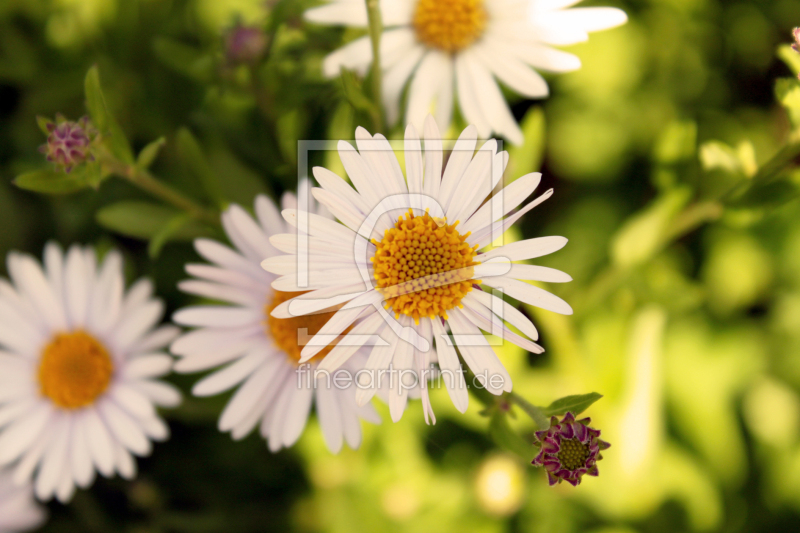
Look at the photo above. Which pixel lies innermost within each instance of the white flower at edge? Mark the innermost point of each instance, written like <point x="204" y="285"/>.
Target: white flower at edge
<point x="423" y="268"/>
<point x="260" y="354"/>
<point x="78" y="362"/>
<point x="18" y="509"/>
<point x="452" y="49"/>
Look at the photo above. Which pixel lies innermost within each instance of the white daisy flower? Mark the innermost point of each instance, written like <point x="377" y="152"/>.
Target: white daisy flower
<point x="261" y="353"/>
<point x="18" y="509"/>
<point x="424" y="264"/>
<point x="78" y="362"/>
<point x="462" y="46"/>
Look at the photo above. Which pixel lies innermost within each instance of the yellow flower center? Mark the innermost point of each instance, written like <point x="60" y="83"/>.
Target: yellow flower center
<point x="573" y="454"/>
<point x="284" y="331"/>
<point x="449" y="25"/>
<point x="423" y="266"/>
<point x="75" y="369"/>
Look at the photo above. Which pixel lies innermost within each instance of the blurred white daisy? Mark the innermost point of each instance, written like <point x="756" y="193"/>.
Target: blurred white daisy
<point x="423" y="265"/>
<point x="260" y="353"/>
<point x="78" y="362"/>
<point x="18" y="509"/>
<point x="462" y="46"/>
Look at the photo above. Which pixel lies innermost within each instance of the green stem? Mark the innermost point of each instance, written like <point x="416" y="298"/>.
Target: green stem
<point x="148" y="183"/>
<point x="375" y="31"/>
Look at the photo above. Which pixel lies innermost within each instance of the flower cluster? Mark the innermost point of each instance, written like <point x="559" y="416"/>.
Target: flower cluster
<point x="69" y="143"/>
<point x="570" y="449"/>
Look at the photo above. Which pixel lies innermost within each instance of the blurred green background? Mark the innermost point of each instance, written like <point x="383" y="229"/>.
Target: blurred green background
<point x="687" y="315"/>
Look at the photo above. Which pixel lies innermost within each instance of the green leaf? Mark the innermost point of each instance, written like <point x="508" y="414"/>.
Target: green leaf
<point x="149" y="153"/>
<point x="146" y="220"/>
<point x="111" y="135"/>
<point x="505" y="436"/>
<point x="787" y="91"/>
<point x="527" y="157"/>
<point x="95" y="101"/>
<point x="52" y="182"/>
<point x="354" y="92"/>
<point x="575" y="404"/>
<point x="43" y="122"/>
<point x="166" y="234"/>
<point x="792" y="59"/>
<point x="195" y="159"/>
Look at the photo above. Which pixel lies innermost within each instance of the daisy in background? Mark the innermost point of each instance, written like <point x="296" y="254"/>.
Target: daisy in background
<point x="423" y="264"/>
<point x="458" y="49"/>
<point x="18" y="509"/>
<point x="258" y="353"/>
<point x="79" y="358"/>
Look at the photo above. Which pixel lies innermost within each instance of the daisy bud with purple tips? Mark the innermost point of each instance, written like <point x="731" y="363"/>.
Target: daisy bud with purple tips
<point x="69" y="143"/>
<point x="569" y="449"/>
<point x="796" y="44"/>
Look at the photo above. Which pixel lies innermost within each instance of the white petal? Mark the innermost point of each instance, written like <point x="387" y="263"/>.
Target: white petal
<point x="132" y="401"/>
<point x="432" y="177"/>
<point x="147" y="366"/>
<point x="491" y="100"/>
<point x="514" y="73"/>
<point x="32" y="283"/>
<point x="506" y="311"/>
<point x="217" y="316"/>
<point x="80" y="457"/>
<point x="124" y="428"/>
<point x="106" y="301"/>
<point x="54" y="460"/>
<point x="251" y="391"/>
<point x="530" y="294"/>
<point x="211" y="357"/>
<point x="396" y="78"/>
<point x="356" y="56"/>
<point x="431" y="73"/>
<point x="23" y="433"/>
<point x="459" y="161"/>
<point x="330" y="418"/>
<point x="99" y="440"/>
<point x="231" y="375"/>
<point x="502" y="203"/>
<point x="478" y="355"/>
<point x="452" y="373"/>
<point x="162" y="394"/>
<point x="525" y="249"/>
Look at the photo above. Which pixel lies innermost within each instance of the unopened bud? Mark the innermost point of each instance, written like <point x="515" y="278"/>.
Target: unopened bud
<point x="69" y="143"/>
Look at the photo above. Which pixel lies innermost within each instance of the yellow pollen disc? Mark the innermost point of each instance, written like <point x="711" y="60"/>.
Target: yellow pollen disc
<point x="573" y="454"/>
<point x="423" y="266"/>
<point x="449" y="25"/>
<point x="75" y="369"/>
<point x="284" y="330"/>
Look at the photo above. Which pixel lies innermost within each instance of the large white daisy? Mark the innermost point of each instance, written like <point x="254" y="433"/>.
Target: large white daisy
<point x="462" y="46"/>
<point x="424" y="265"/>
<point x="78" y="362"/>
<point x="260" y="353"/>
<point x="18" y="509"/>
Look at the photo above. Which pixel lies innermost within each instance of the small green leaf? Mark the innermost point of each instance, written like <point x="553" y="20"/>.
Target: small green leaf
<point x="43" y="123"/>
<point x="195" y="159"/>
<point x="146" y="220"/>
<point x="787" y="91"/>
<point x="792" y="59"/>
<point x="505" y="436"/>
<point x="527" y="157"/>
<point x="716" y="155"/>
<point x="95" y="101"/>
<point x="169" y="230"/>
<point x="52" y="182"/>
<point x="149" y="153"/>
<point x="110" y="132"/>
<point x="575" y="404"/>
<point x="354" y="92"/>
<point x="678" y="142"/>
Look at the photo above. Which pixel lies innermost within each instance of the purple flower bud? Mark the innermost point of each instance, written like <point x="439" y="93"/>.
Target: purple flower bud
<point x="245" y="45"/>
<point x="570" y="449"/>
<point x="69" y="143"/>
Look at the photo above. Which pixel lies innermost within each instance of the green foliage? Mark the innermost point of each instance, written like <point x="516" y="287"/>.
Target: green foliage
<point x="146" y="220"/>
<point x="575" y="404"/>
<point x="52" y="181"/>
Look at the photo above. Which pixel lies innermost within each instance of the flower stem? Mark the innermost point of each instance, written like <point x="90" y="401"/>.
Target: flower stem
<point x="150" y="184"/>
<point x="375" y="31"/>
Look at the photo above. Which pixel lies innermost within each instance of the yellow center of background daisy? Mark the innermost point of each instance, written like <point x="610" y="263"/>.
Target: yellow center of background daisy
<point x="423" y="266"/>
<point x="449" y="25"/>
<point x="75" y="369"/>
<point x="573" y="454"/>
<point x="284" y="330"/>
